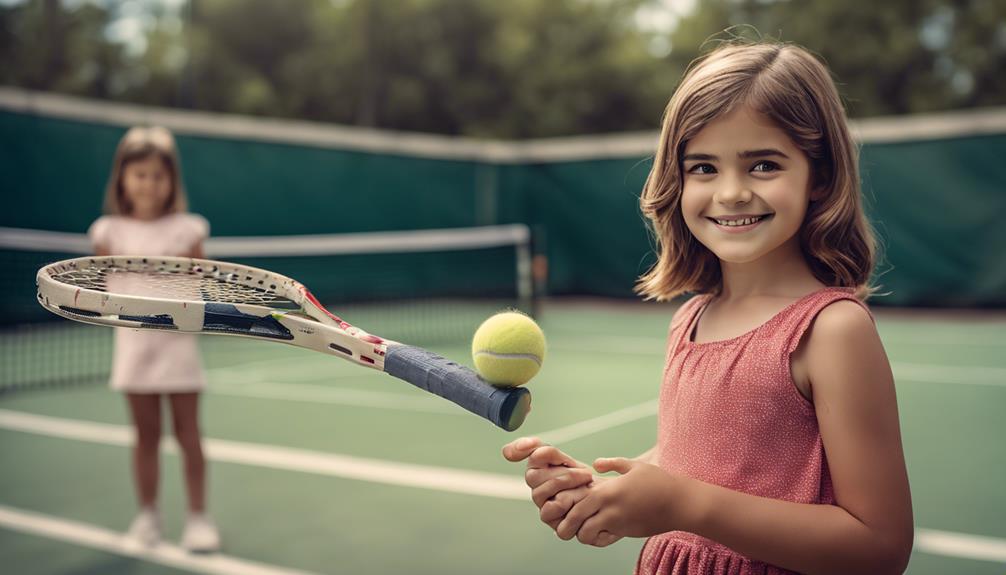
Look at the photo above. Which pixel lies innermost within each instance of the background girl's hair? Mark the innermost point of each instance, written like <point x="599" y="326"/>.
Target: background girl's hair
<point x="139" y="143"/>
<point x="796" y="92"/>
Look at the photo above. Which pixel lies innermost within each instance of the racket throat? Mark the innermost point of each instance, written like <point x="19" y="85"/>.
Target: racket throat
<point x="226" y="318"/>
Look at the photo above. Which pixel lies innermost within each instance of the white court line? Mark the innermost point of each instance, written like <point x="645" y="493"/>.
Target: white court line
<point x="600" y="423"/>
<point x="334" y="396"/>
<point x="252" y="379"/>
<point x="252" y="369"/>
<point x="477" y="483"/>
<point x="102" y="539"/>
<point x="985" y="376"/>
<point x="335" y="465"/>
<point x="602" y="345"/>
<point x="963" y="375"/>
<point x="929" y="541"/>
<point x="658" y="346"/>
<point x="926" y="337"/>
<point x="916" y="372"/>
<point x="960" y="545"/>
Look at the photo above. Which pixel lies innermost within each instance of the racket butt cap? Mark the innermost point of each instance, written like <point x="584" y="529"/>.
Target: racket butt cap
<point x="515" y="409"/>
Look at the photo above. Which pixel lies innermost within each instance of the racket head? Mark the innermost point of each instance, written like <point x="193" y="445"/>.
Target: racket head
<point x="170" y="292"/>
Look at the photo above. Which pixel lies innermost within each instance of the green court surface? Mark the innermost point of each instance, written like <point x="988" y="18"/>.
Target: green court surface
<point x="319" y="466"/>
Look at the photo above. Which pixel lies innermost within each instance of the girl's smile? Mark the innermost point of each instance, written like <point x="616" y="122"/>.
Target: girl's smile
<point x="738" y="224"/>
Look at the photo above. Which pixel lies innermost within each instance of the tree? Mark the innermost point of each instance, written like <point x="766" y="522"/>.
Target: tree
<point x="515" y="69"/>
<point x="895" y="57"/>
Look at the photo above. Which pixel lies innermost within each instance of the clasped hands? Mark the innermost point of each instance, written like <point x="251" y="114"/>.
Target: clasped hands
<point x="596" y="510"/>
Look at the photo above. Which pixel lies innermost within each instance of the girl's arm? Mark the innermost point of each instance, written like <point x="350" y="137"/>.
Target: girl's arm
<point x="869" y="530"/>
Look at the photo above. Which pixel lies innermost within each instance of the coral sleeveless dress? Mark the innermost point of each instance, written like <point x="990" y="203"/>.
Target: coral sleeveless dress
<point x="731" y="415"/>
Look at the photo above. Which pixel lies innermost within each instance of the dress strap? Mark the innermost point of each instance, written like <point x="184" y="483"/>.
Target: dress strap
<point x="683" y="322"/>
<point x="802" y="315"/>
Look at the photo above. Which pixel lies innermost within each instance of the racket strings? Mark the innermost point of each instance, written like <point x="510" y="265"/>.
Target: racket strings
<point x="174" y="281"/>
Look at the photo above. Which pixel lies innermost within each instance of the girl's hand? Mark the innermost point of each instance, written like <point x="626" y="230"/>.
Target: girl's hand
<point x="555" y="509"/>
<point x="521" y="449"/>
<point x="549" y="470"/>
<point x="557" y="481"/>
<point x="644" y="500"/>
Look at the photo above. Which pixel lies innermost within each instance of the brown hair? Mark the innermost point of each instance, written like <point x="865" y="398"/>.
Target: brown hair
<point x="139" y="143"/>
<point x="795" y="91"/>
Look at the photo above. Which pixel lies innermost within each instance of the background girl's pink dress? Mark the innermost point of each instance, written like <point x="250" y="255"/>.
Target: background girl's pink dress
<point x="152" y="361"/>
<point x="731" y="415"/>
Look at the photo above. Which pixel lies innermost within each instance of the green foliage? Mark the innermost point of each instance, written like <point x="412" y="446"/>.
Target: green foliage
<point x="892" y="57"/>
<point x="485" y="68"/>
<point x="50" y="48"/>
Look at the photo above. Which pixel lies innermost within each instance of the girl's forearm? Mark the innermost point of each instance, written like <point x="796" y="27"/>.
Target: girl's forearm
<point x="802" y="537"/>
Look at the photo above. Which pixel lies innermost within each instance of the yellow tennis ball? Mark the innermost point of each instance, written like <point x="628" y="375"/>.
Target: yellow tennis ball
<point x="508" y="349"/>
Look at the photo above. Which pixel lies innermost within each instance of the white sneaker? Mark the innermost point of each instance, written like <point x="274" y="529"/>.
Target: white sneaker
<point x="145" y="528"/>
<point x="200" y="534"/>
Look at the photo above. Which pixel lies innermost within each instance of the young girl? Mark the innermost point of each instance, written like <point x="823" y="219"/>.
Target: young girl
<point x="778" y="447"/>
<point x="145" y="203"/>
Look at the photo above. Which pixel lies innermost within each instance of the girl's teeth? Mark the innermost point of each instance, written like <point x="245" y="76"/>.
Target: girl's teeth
<point x="735" y="223"/>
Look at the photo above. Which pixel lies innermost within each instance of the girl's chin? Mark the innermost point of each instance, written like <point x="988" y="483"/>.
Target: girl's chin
<point x="738" y="256"/>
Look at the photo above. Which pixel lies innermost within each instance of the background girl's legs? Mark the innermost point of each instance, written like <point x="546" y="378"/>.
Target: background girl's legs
<point x="145" y="410"/>
<point x="146" y="413"/>
<point x="200" y="532"/>
<point x="185" y="419"/>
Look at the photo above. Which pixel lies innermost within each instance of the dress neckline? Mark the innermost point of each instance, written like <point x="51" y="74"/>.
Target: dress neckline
<point x="693" y="324"/>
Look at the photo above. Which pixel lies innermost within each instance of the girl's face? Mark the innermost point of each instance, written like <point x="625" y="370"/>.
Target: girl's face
<point x="146" y="184"/>
<point x="746" y="187"/>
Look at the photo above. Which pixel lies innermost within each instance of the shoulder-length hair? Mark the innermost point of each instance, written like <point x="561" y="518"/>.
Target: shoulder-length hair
<point x="139" y="143"/>
<point x="796" y="92"/>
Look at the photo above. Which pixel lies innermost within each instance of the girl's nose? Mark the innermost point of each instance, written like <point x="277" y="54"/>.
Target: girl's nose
<point x="733" y="192"/>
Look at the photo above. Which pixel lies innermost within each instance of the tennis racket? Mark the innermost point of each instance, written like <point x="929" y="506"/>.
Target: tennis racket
<point x="204" y="296"/>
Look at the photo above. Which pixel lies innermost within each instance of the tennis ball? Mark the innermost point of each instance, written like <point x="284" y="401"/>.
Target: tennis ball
<point x="508" y="349"/>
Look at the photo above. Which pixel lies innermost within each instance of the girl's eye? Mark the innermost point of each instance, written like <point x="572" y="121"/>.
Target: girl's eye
<point x="702" y="169"/>
<point x="765" y="166"/>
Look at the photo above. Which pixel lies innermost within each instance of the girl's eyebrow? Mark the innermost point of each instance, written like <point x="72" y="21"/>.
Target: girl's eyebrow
<point x="766" y="152"/>
<point x="763" y="153"/>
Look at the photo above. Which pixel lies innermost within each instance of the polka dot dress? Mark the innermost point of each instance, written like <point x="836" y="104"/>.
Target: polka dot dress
<point x="731" y="415"/>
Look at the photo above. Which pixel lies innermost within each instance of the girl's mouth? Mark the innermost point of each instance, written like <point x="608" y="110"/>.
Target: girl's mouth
<point x="736" y="225"/>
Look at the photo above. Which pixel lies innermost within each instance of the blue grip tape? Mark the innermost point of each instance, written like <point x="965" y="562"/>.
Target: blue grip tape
<point x="504" y="406"/>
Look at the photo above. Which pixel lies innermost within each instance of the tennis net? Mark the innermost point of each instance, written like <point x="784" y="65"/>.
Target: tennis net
<point x="421" y="287"/>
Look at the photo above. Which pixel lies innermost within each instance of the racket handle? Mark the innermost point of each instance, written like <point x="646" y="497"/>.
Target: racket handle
<point x="504" y="406"/>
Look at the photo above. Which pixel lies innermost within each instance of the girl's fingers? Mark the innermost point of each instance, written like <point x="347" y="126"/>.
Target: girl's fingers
<point x="556" y="508"/>
<point x="535" y="476"/>
<point x="606" y="538"/>
<point x="587" y="533"/>
<point x="546" y="455"/>
<point x="572" y="479"/>
<point x="576" y="516"/>
<point x="592" y="532"/>
<point x="520" y="449"/>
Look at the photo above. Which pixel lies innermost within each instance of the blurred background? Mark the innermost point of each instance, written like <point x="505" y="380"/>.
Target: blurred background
<point x="420" y="164"/>
<point x="507" y="70"/>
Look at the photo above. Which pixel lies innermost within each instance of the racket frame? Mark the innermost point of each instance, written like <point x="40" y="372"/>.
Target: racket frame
<point x="311" y="326"/>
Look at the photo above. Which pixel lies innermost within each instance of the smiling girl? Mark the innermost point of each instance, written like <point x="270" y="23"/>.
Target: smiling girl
<point x="778" y="447"/>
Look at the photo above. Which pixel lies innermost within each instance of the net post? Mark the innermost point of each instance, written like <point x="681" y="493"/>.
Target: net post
<point x="525" y="277"/>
